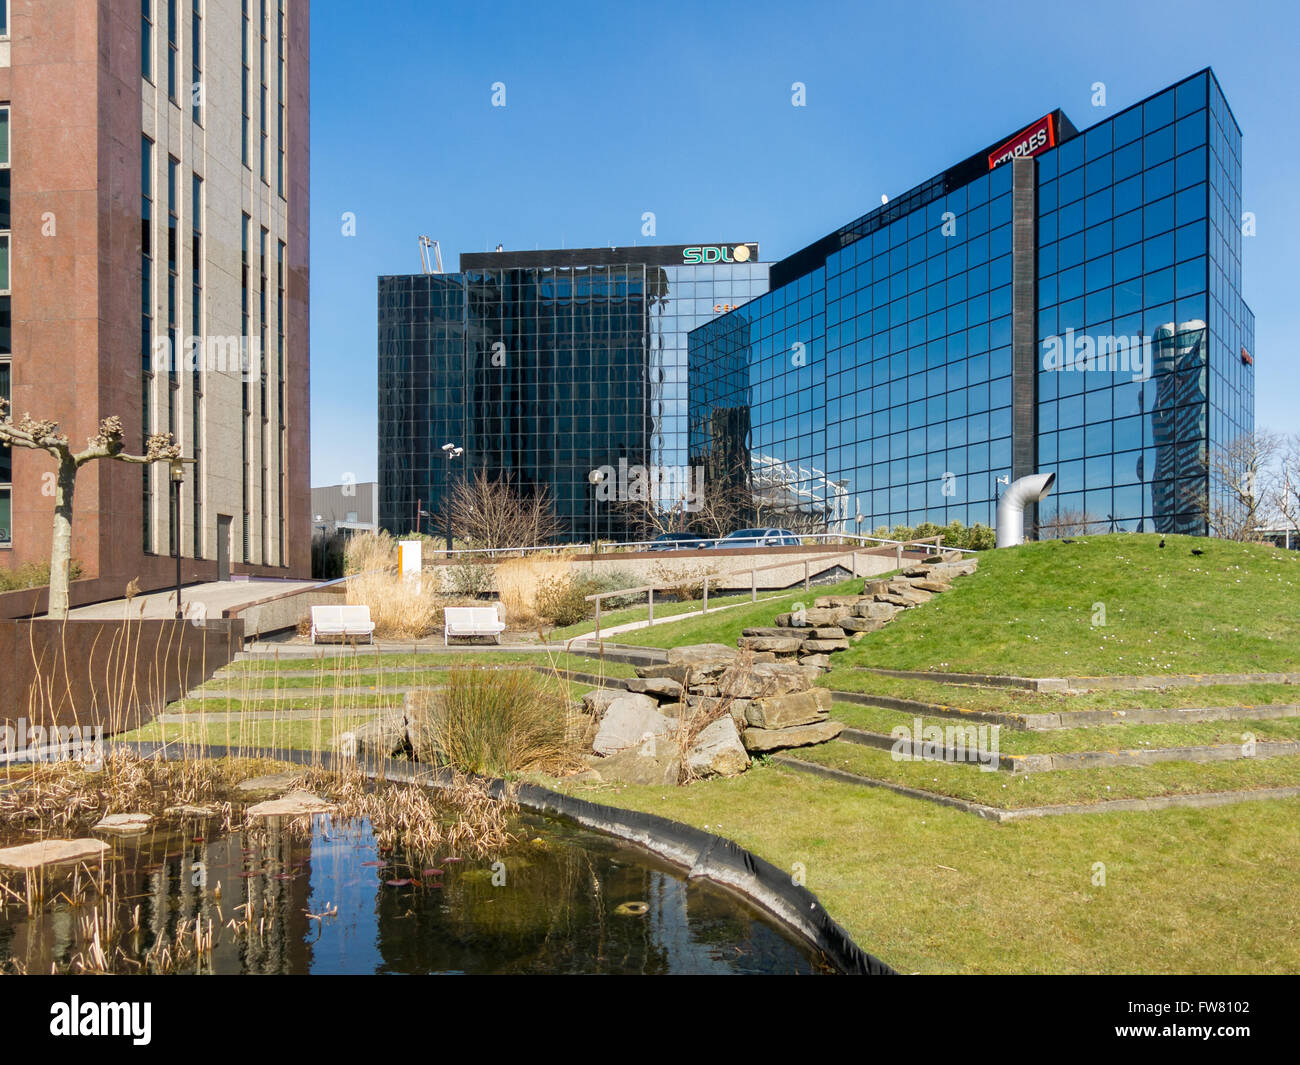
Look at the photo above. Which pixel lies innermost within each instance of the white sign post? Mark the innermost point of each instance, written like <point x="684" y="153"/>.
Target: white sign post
<point x="410" y="559"/>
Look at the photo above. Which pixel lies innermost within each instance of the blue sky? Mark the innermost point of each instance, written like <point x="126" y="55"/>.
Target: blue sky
<point x="684" y="109"/>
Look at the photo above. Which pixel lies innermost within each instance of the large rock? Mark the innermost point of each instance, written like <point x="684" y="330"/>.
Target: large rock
<point x="272" y="782"/>
<point x="782" y="711"/>
<point x="949" y="570"/>
<point x="704" y="659"/>
<point x="758" y="740"/>
<point x="777" y="644"/>
<point x="835" y="600"/>
<point x="823" y="646"/>
<point x="31" y="856"/>
<point x="862" y="624"/>
<point x="929" y="584"/>
<point x="627" y="721"/>
<point x="749" y="681"/>
<point x="656" y="762"/>
<point x="908" y="590"/>
<point x="874" y="611"/>
<point x="662" y="688"/>
<point x="383" y="737"/>
<point x="818" y="661"/>
<point x="717" y="750"/>
<point x="812" y="618"/>
<point x="596" y="702"/>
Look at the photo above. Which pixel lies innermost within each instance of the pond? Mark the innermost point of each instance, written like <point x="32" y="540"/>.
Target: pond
<point x="326" y="900"/>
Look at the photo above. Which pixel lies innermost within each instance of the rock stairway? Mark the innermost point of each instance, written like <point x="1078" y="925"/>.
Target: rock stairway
<point x="835" y="622"/>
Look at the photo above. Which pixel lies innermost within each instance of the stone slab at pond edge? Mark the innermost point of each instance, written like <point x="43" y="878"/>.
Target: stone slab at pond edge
<point x="124" y="824"/>
<point x="48" y="852"/>
<point x="295" y="804"/>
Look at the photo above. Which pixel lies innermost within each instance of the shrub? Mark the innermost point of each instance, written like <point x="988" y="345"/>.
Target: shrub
<point x="33" y="575"/>
<point x="371" y="551"/>
<point x="518" y="581"/>
<point x="563" y="599"/>
<point x="494" y="722"/>
<point x="470" y="580"/>
<point x="684" y="582"/>
<point x="980" y="538"/>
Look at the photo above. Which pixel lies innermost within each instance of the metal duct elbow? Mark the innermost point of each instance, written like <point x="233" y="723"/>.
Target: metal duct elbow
<point x="1011" y="507"/>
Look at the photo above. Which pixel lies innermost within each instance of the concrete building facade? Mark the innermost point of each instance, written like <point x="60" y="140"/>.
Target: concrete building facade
<point x="156" y="160"/>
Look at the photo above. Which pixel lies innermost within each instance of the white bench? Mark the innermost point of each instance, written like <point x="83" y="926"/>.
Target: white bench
<point x="342" y="621"/>
<point x="472" y="621"/>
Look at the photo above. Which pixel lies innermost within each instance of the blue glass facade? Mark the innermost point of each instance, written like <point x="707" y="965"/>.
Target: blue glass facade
<point x="914" y="359"/>
<point x="543" y="366"/>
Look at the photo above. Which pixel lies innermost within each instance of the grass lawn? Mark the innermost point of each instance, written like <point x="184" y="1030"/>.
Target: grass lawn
<point x="1020" y="701"/>
<point x="1095" y="738"/>
<point x="268" y="680"/>
<point x="350" y="661"/>
<point x="316" y="734"/>
<point x="641" y="613"/>
<point x="932" y="890"/>
<point x="1009" y="792"/>
<point x="1029" y="611"/>
<point x="726" y="626"/>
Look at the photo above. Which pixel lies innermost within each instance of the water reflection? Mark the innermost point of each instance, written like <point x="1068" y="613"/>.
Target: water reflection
<point x="326" y="901"/>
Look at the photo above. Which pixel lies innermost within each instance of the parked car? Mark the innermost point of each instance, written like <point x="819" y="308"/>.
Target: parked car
<point x="758" y="538"/>
<point x="678" y="541"/>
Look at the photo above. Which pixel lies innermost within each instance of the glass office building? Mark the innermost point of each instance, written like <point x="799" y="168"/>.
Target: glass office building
<point x="1064" y="301"/>
<point x="544" y="366"/>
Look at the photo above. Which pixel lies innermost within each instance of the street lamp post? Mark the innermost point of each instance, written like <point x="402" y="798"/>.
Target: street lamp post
<point x="596" y="477"/>
<point x="177" y="468"/>
<point x="452" y="451"/>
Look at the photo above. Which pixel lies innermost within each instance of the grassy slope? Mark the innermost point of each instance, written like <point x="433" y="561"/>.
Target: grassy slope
<point x="1029" y="610"/>
<point x="1186" y="890"/>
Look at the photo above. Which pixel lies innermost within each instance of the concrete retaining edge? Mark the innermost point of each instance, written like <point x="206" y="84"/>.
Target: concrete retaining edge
<point x="993" y="813"/>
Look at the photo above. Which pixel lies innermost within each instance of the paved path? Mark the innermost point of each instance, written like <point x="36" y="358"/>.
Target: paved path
<point x="607" y="631"/>
<point x="214" y="597"/>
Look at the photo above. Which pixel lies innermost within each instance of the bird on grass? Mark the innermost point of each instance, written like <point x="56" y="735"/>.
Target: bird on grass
<point x="1162" y="541"/>
<point x="1197" y="551"/>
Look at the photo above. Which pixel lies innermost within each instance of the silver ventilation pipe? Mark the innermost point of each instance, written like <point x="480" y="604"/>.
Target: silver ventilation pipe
<point x="1011" y="507"/>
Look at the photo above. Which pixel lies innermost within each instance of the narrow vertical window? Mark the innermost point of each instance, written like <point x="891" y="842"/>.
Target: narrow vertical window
<point x="146" y="332"/>
<point x="280" y="426"/>
<point x="173" y="49"/>
<point x="243" y="85"/>
<point x="281" y="46"/>
<point x="246" y="369"/>
<point x="196" y="63"/>
<point x="146" y="39"/>
<point x="263" y="452"/>
<point x="197" y="349"/>
<point x="262" y="112"/>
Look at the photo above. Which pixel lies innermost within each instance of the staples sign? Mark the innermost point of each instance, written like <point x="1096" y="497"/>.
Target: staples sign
<point x="1037" y="138"/>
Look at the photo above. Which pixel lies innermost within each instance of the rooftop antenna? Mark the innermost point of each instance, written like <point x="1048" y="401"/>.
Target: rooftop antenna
<point x="425" y="245"/>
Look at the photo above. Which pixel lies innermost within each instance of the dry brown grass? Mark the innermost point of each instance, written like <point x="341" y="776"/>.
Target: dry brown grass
<point x="401" y="608"/>
<point x="517" y="583"/>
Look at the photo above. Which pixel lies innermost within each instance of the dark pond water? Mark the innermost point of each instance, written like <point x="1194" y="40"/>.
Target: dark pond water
<point x="546" y="906"/>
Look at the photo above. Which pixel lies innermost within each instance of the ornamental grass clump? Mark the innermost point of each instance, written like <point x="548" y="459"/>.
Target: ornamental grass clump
<point x="496" y="723"/>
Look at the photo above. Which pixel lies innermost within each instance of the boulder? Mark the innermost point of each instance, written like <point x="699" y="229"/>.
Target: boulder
<point x="773" y="630"/>
<point x="627" y="721"/>
<point x="383" y="737"/>
<point x="874" y="588"/>
<point x="756" y="679"/>
<point x="917" y="571"/>
<point x="655" y="762"/>
<point x="717" y="750"/>
<point x="893" y="598"/>
<point x="31" y="856"/>
<point x="665" y="671"/>
<point x="862" y="624"/>
<point x="273" y="782"/>
<point x="950" y="570"/>
<point x="835" y="600"/>
<point x="929" y="584"/>
<point x="596" y="702"/>
<point x="776" y="644"/>
<point x="874" y="611"/>
<point x="662" y="688"/>
<point x="760" y="739"/>
<point x="822" y="646"/>
<point x="197" y="813"/>
<point x="817" y="661"/>
<point x="782" y="711"/>
<point x="704" y="659"/>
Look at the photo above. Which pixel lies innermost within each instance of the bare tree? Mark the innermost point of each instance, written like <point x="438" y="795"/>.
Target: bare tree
<point x="493" y="513"/>
<point x="1243" y="485"/>
<point x="1287" y="483"/>
<point x="107" y="444"/>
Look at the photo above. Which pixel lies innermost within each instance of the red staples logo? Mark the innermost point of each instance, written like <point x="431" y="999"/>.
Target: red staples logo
<point x="1037" y="138"/>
